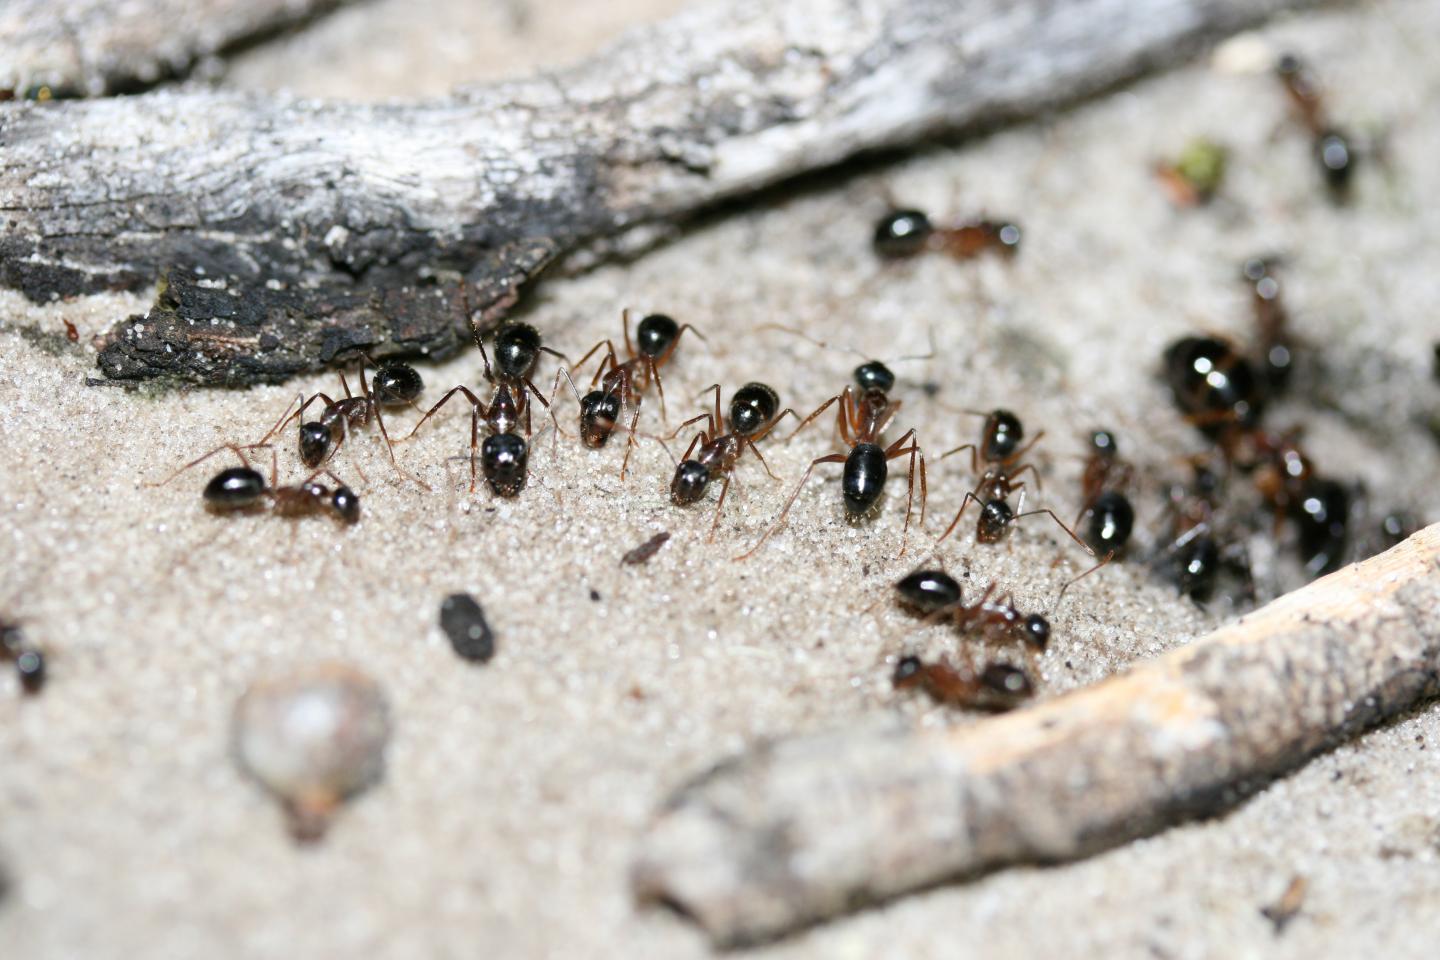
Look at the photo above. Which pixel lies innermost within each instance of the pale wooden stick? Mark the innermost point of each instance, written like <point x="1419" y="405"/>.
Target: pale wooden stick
<point x="805" y="829"/>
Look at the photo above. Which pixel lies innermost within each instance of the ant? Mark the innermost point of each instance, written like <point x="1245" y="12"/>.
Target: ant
<point x="622" y="384"/>
<point x="866" y="410"/>
<point x="504" y="455"/>
<point x="29" y="661"/>
<point x="1109" y="514"/>
<point x="395" y="384"/>
<point x="904" y="233"/>
<point x="998" y="687"/>
<point x="1275" y="346"/>
<point x="1334" y="151"/>
<point x="935" y="595"/>
<point x="1000" y="449"/>
<point x="1194" y="556"/>
<point x="1215" y="387"/>
<point x="722" y="441"/>
<point x="243" y="488"/>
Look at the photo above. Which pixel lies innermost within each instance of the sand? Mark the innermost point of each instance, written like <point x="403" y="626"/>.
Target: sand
<point x="515" y="791"/>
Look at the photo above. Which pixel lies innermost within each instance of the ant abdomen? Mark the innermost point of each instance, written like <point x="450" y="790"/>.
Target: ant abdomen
<point x="874" y="376"/>
<point x="396" y="384"/>
<point x="503" y="459"/>
<point x="1214" y="383"/>
<point x="1110" y="521"/>
<point x="864" y="479"/>
<point x="902" y="233"/>
<point x="753" y="406"/>
<point x="1321" y="514"/>
<point x="691" y="480"/>
<point x="517" y="350"/>
<point x="1002" y="434"/>
<point x="234" y="488"/>
<point x="346" y="504"/>
<point x="928" y="591"/>
<point x="1196" y="566"/>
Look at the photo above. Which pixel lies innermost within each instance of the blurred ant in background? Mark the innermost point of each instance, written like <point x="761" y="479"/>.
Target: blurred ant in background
<point x="29" y="661"/>
<point x="1194" y="558"/>
<point x="905" y="233"/>
<point x="1335" y="152"/>
<point x="997" y="687"/>
<point x="1106" y="511"/>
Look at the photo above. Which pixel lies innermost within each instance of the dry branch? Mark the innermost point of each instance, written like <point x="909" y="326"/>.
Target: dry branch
<point x="805" y="829"/>
<point x="324" y="226"/>
<point x="94" y="47"/>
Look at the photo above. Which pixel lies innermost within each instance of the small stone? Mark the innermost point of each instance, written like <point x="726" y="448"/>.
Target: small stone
<point x="314" y="736"/>
<point x="464" y="623"/>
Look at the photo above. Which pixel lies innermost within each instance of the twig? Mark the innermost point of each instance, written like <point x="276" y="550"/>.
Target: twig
<point x="333" y="226"/>
<point x="809" y="828"/>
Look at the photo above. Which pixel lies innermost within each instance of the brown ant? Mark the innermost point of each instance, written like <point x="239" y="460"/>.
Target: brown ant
<point x="936" y="595"/>
<point x="395" y="384"/>
<point x="617" y="385"/>
<point x="1000" y="449"/>
<point x="997" y="687"/>
<point x="865" y="411"/>
<point x="504" y="455"/>
<point x="904" y="233"/>
<point x="29" y="661"/>
<point x="1108" y="514"/>
<point x="1335" y="153"/>
<point x="243" y="489"/>
<point x="722" y="441"/>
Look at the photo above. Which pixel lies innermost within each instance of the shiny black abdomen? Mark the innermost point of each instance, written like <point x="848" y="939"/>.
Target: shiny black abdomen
<point x="864" y="479"/>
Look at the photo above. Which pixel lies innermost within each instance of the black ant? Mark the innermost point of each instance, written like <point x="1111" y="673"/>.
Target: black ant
<point x="866" y="410"/>
<point x="504" y="455"/>
<point x="395" y="384"/>
<point x="1194" y="558"/>
<point x="936" y="595"/>
<point x="722" y="441"/>
<point x="1274" y="344"/>
<point x="243" y="488"/>
<point x="1000" y="450"/>
<point x="29" y="661"/>
<point x="997" y="687"/>
<point x="1108" y="514"/>
<point x="622" y="384"/>
<point x="1335" y="154"/>
<point x="906" y="233"/>
<point x="1215" y="387"/>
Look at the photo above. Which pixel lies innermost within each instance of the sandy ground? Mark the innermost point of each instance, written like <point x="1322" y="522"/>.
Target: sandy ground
<point x="515" y="791"/>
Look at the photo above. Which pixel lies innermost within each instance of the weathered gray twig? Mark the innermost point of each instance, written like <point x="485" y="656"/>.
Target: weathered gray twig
<point x="805" y="829"/>
<point x="94" y="47"/>
<point x="320" y="221"/>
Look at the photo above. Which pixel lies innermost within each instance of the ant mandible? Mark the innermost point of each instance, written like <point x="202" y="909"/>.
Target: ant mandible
<point x="396" y="384"/>
<point x="904" y="233"/>
<point x="504" y="455"/>
<point x="621" y="385"/>
<point x="721" y="443"/>
<point x="243" y="488"/>
<point x="29" y="661"/>
<point x="1000" y="449"/>
<point x="866" y="410"/>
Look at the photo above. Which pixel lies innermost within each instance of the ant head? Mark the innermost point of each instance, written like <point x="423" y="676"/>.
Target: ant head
<point x="907" y="671"/>
<point x="1037" y="631"/>
<point x="1009" y="681"/>
<point x="929" y="591"/>
<point x="753" y="406"/>
<point x="1103" y="444"/>
<point x="1002" y="435"/>
<point x="902" y="233"/>
<point x="874" y="376"/>
<point x="503" y="459"/>
<point x="517" y="348"/>
<point x="598" y="413"/>
<point x="234" y="489"/>
<point x="655" y="334"/>
<point x="346" y="504"/>
<point x="995" y="519"/>
<point x="691" y="479"/>
<point x="396" y="384"/>
<point x="314" y="443"/>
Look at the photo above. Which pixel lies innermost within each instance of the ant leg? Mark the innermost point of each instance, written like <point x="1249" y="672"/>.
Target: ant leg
<point x="1073" y="580"/>
<point x="974" y="463"/>
<point x="652" y="372"/>
<point x="714" y="524"/>
<point x="818" y="410"/>
<point x="1033" y="472"/>
<point x="772" y="425"/>
<point x="625" y="326"/>
<point x="224" y="446"/>
<point x="709" y="431"/>
<point x="380" y="419"/>
<point x="1051" y="513"/>
<point x="969" y="495"/>
<point x="1015" y="457"/>
<point x="629" y="441"/>
<point x="345" y="385"/>
<point x="897" y="449"/>
<point x="474" y="442"/>
<point x="538" y="395"/>
<point x="285" y="417"/>
<point x="475" y="403"/>
<point x="691" y="449"/>
<point x="610" y="349"/>
<point x="751" y="444"/>
<point x="832" y="458"/>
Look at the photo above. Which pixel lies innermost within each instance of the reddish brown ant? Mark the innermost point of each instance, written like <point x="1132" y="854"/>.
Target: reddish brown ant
<point x="904" y="233"/>
<point x="243" y="489"/>
<point x="997" y="687"/>
<point x="396" y="384"/>
<point x="722" y="441"/>
<point x="865" y="411"/>
<point x="618" y="385"/>
<point x="936" y="595"/>
<point x="1335" y="153"/>
<point x="1000" y="449"/>
<point x="505" y="455"/>
<point x="29" y="661"/>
